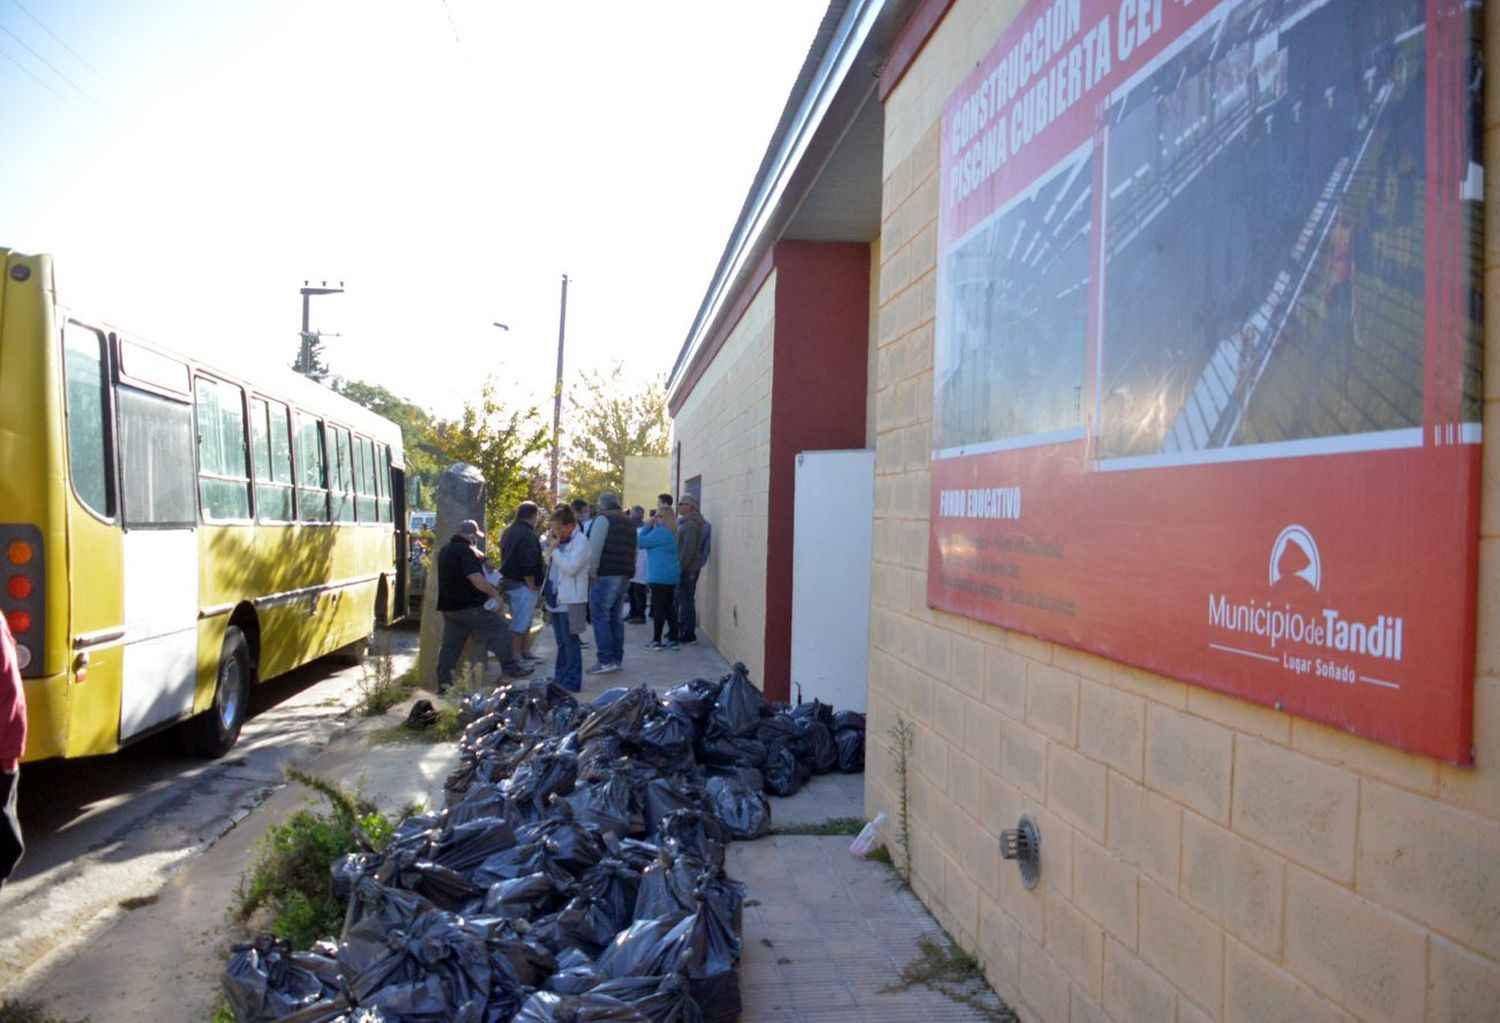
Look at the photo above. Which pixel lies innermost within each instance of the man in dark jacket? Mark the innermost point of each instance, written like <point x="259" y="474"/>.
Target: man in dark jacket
<point x="521" y="575"/>
<point x="690" y="555"/>
<point x="468" y="603"/>
<point x="611" y="564"/>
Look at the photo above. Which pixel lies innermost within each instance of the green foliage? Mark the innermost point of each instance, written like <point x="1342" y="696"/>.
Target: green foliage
<point x="379" y="688"/>
<point x="291" y="873"/>
<point x="28" y="1012"/>
<point x="608" y="421"/>
<point x="223" y="1014"/>
<point x="424" y="460"/>
<point x="504" y="444"/>
<point x="832" y="826"/>
<point x="903" y="736"/>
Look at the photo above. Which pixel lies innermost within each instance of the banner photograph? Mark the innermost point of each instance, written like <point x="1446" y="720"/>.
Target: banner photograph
<point x="1207" y="378"/>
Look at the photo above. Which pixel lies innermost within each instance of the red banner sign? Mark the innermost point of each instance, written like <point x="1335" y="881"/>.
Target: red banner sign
<point x="1207" y="377"/>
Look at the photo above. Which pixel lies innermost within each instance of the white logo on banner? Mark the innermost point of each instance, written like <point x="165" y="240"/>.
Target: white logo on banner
<point x="1302" y="540"/>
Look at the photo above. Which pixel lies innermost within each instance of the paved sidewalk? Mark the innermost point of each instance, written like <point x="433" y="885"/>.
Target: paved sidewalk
<point x="824" y="933"/>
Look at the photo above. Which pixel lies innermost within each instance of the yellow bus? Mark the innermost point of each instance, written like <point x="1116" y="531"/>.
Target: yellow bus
<point x="171" y="532"/>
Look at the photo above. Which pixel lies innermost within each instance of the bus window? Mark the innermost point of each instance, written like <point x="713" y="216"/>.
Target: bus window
<point x="223" y="483"/>
<point x="383" y="480"/>
<point x="312" y="486"/>
<point x="273" y="461"/>
<point x="88" y="419"/>
<point x="364" y="480"/>
<point x="340" y="473"/>
<point x="156" y="442"/>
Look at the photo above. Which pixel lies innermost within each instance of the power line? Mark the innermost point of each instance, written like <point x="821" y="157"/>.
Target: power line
<point x="76" y="55"/>
<point x="32" y="75"/>
<point x="27" y="46"/>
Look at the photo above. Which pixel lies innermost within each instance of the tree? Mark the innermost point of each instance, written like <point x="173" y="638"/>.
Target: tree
<point x="310" y="361"/>
<point x="504" y="445"/>
<point x="423" y="457"/>
<point x="607" y="422"/>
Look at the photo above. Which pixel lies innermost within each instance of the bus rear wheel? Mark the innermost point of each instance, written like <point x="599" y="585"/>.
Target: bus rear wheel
<point x="214" y="732"/>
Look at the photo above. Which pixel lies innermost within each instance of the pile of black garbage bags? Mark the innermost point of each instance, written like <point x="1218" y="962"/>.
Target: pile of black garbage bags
<point x="576" y="872"/>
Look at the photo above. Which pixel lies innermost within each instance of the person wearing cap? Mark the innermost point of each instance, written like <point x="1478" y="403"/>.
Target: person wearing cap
<point x="611" y="564"/>
<point x="12" y="748"/>
<point x="690" y="554"/>
<point x="463" y="592"/>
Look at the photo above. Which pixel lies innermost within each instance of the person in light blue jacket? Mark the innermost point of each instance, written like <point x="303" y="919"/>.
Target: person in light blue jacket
<point x="659" y="540"/>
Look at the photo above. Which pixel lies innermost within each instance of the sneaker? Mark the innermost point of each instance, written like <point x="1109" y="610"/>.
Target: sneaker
<point x="531" y="658"/>
<point x="691" y="641"/>
<point x="672" y="645"/>
<point x="653" y="645"/>
<point x="637" y="620"/>
<point x="602" y="669"/>
<point x="516" y="670"/>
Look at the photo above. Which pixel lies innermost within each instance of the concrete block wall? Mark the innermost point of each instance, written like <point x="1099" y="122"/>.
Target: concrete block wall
<point x="1203" y="858"/>
<point x="724" y="428"/>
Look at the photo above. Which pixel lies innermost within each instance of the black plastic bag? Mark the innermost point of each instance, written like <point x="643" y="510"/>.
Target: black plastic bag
<point x="568" y="843"/>
<point x="695" y="698"/>
<point x="817" y="710"/>
<point x="845" y="720"/>
<point x="823" y="756"/>
<point x="589" y="1007"/>
<point x="615" y="885"/>
<point x="439" y="965"/>
<point x="263" y="984"/>
<point x="621" y="717"/>
<point x="694" y="833"/>
<point x="737" y="710"/>
<point x="605" y="807"/>
<point x="464" y="846"/>
<point x="851" y="747"/>
<point x="443" y="886"/>
<point x="664" y="999"/>
<point x="783" y="777"/>
<point x="662" y="797"/>
<point x="744" y="812"/>
<point x="530" y="963"/>
<point x="525" y="897"/>
<point x="574" y="980"/>
<point x="721" y="749"/>
<point x="645" y="947"/>
<point x="666" y="741"/>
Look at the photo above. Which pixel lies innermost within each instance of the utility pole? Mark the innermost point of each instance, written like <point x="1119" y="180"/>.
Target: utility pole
<point x="305" y="361"/>
<point x="557" y="392"/>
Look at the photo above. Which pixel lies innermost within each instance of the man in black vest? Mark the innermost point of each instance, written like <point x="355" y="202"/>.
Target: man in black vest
<point x="611" y="564"/>
<point x="468" y="603"/>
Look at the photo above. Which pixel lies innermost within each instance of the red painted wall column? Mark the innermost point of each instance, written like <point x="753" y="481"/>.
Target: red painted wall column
<point x="818" y="388"/>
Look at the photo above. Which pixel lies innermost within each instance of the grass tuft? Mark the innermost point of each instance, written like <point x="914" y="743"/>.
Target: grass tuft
<point x="832" y="826"/>
<point x="956" y="975"/>
<point x="29" y="1012"/>
<point x="290" y="877"/>
<point x="379" y="687"/>
<point x="139" y="901"/>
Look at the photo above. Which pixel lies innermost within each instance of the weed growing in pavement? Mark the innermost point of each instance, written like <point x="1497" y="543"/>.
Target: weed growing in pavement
<point x="903" y="736"/>
<point x="28" y="1012"/>
<point x="290" y="875"/>
<point x="138" y="901"/>
<point x="379" y="688"/>
<point x="832" y="826"/>
<point x="954" y="974"/>
<point x="223" y="1014"/>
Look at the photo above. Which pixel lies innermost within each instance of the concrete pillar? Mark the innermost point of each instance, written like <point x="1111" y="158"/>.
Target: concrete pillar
<point x="460" y="495"/>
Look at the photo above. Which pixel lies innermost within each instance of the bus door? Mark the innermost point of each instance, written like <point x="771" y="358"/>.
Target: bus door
<point x="402" y="541"/>
<point x="159" y="571"/>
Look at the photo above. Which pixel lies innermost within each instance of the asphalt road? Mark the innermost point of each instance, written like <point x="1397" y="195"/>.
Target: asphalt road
<point x="104" y="830"/>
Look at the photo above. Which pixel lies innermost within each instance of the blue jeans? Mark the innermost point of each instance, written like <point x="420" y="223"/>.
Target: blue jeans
<point x="687" y="607"/>
<point x="606" y="602"/>
<point x="568" y="671"/>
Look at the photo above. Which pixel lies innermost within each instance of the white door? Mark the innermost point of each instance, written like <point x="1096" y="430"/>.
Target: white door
<point x="834" y="530"/>
<point x="159" y="482"/>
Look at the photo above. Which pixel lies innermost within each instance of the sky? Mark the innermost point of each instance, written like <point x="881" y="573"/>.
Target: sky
<point x="190" y="163"/>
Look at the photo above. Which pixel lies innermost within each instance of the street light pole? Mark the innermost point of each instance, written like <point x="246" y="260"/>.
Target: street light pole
<point x="305" y="354"/>
<point x="557" y="391"/>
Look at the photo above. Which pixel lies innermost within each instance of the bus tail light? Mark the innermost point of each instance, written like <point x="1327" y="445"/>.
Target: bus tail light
<point x="23" y="600"/>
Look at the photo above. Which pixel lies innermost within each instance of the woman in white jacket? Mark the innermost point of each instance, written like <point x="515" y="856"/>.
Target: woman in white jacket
<point x="568" y="594"/>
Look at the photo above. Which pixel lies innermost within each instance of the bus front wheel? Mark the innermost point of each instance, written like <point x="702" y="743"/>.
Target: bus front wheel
<point x="214" y="732"/>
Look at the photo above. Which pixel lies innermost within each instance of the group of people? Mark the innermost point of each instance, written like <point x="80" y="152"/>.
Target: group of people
<point x="590" y="566"/>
